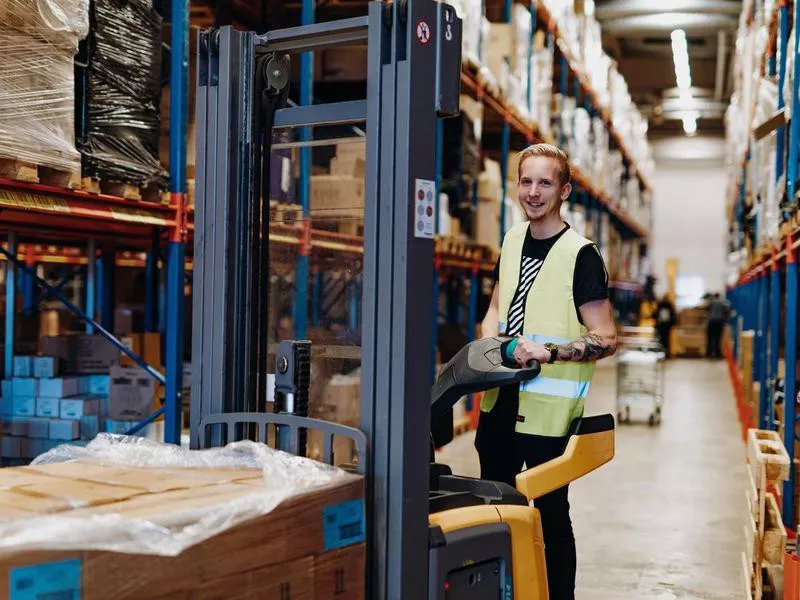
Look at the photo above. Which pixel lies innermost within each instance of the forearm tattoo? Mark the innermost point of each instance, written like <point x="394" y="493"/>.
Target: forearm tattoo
<point x="587" y="348"/>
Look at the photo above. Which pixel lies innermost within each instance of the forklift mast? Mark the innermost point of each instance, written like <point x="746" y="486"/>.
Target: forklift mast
<point x="413" y="77"/>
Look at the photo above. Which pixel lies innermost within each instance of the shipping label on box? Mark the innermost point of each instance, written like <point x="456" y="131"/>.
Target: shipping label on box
<point x="45" y="366"/>
<point x="38" y="428"/>
<point x="23" y="406"/>
<point x="130" y="395"/>
<point x="25" y="387"/>
<point x="63" y="429"/>
<point x="75" y="408"/>
<point x="23" y="366"/>
<point x="47" y="407"/>
<point x="58" y="387"/>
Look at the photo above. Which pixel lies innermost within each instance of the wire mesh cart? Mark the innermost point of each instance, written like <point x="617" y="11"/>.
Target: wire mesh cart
<point x="640" y="379"/>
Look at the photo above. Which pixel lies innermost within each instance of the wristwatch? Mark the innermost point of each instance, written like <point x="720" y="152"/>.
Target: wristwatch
<point x="553" y="352"/>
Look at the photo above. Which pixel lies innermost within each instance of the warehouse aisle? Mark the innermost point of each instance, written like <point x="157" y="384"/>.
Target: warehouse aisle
<point x="664" y="519"/>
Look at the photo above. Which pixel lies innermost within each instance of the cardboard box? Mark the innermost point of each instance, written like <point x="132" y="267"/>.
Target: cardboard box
<point x="7" y="388"/>
<point x="130" y="395"/>
<point x="76" y="408"/>
<point x="89" y="427"/>
<point x="25" y="387"/>
<point x="350" y="160"/>
<point x="17" y="426"/>
<point x="45" y="366"/>
<point x="54" y="322"/>
<point x="99" y="385"/>
<point x="58" y="387"/>
<point x="23" y="366"/>
<point x="487" y="224"/>
<point x="11" y="447"/>
<point x="81" y="354"/>
<point x="47" y="407"/>
<point x="64" y="429"/>
<point x="297" y="550"/>
<point x="6" y="406"/>
<point x="38" y="428"/>
<point x="337" y="196"/>
<point x="133" y="342"/>
<point x="23" y="406"/>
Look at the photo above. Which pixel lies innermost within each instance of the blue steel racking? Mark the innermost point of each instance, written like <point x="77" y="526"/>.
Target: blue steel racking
<point x="758" y="297"/>
<point x="33" y="211"/>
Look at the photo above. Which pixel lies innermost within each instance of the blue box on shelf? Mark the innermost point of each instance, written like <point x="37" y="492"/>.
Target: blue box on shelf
<point x="23" y="406"/>
<point x="23" y="366"/>
<point x="47" y="407"/>
<point x="99" y="385"/>
<point x="75" y="408"/>
<point x="45" y="366"/>
<point x="58" y="387"/>
<point x="24" y="387"/>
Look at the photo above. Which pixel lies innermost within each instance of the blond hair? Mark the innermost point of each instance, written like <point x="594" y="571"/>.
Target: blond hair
<point x="550" y="151"/>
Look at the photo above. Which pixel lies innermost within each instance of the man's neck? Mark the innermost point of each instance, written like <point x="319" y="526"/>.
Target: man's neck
<point x="546" y="228"/>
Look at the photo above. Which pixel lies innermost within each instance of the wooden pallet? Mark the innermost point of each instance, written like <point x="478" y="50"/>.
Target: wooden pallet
<point x="149" y="193"/>
<point x="765" y="536"/>
<point x="31" y="173"/>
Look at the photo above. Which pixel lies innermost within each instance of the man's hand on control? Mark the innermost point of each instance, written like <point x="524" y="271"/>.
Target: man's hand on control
<point x="527" y="350"/>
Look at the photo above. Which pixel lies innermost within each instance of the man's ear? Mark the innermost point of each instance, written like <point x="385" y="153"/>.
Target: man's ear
<point x="566" y="190"/>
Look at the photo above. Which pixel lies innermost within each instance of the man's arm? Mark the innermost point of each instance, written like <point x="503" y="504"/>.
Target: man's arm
<point x="601" y="339"/>
<point x="490" y="321"/>
<point x="599" y="342"/>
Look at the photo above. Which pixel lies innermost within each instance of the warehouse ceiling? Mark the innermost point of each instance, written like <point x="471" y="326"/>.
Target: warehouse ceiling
<point x="637" y="34"/>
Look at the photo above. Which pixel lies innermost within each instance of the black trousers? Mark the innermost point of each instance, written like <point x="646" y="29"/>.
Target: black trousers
<point x="663" y="331"/>
<point x="713" y="339"/>
<point x="502" y="453"/>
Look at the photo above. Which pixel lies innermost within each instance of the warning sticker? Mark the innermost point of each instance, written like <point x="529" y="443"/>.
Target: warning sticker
<point x="424" y="206"/>
<point x="423" y="32"/>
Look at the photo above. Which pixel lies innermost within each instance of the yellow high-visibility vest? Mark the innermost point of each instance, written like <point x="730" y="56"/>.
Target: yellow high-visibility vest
<point x="549" y="403"/>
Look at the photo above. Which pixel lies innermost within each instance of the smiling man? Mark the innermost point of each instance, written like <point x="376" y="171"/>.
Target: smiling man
<point x="551" y="296"/>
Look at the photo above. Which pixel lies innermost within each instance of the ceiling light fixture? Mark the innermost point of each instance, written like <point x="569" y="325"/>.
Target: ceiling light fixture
<point x="683" y="77"/>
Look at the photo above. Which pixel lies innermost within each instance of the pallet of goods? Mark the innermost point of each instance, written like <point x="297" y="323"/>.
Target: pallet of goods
<point x="131" y="518"/>
<point x="120" y="140"/>
<point x="765" y="536"/>
<point x="37" y="98"/>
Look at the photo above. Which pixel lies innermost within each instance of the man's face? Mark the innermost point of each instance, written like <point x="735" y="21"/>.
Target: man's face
<point x="540" y="189"/>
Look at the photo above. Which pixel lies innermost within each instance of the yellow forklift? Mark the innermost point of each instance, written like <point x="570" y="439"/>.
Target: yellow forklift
<point x="430" y="534"/>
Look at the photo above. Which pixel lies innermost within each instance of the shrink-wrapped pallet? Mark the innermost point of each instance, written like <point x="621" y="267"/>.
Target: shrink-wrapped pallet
<point x="39" y="39"/>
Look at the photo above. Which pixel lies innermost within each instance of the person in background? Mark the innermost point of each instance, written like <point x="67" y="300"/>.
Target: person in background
<point x="666" y="318"/>
<point x="718" y="314"/>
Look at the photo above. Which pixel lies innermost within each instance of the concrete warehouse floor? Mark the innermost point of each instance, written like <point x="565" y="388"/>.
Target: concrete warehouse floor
<point x="665" y="518"/>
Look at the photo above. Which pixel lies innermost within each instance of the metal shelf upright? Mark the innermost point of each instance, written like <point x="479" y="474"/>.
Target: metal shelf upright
<point x="99" y="222"/>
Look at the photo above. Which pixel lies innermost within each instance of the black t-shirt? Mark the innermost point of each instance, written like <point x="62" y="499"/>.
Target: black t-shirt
<point x="590" y="280"/>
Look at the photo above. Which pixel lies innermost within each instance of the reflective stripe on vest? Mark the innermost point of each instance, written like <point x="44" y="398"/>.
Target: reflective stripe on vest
<point x="549" y="403"/>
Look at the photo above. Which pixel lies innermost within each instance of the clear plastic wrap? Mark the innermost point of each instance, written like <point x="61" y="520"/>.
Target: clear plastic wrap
<point x="37" y="99"/>
<point x="284" y="476"/>
<point x="58" y="22"/>
<point x="123" y="94"/>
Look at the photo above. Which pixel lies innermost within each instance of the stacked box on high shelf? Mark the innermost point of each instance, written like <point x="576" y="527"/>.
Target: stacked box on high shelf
<point x="120" y="147"/>
<point x="37" y="102"/>
<point x="764" y="533"/>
